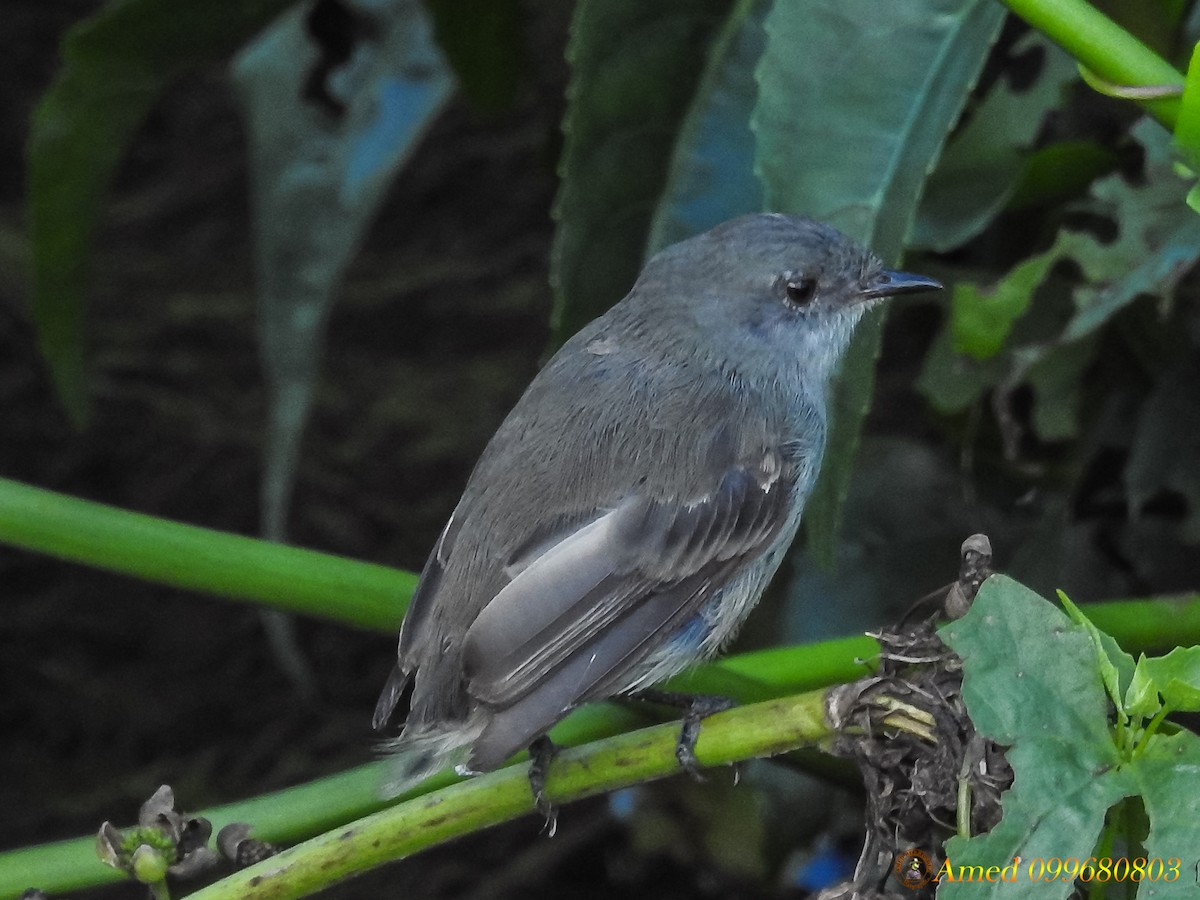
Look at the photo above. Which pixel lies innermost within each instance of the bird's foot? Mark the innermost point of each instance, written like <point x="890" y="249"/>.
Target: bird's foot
<point x="695" y="708"/>
<point x="541" y="753"/>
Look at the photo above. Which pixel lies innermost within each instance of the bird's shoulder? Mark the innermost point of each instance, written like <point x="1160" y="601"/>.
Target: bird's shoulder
<point x="613" y="409"/>
<point x="699" y="461"/>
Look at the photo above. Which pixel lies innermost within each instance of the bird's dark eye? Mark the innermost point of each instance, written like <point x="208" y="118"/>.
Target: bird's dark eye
<point x="800" y="291"/>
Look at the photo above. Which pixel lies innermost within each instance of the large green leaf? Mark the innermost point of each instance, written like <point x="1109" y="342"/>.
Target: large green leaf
<point x="855" y="101"/>
<point x="116" y="65"/>
<point x="635" y="67"/>
<point x="1034" y="681"/>
<point x="1031" y="682"/>
<point x="1164" y="777"/>
<point x="711" y="176"/>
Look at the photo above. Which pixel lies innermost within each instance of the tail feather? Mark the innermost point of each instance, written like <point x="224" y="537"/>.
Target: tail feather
<point x="389" y="697"/>
<point x="415" y="757"/>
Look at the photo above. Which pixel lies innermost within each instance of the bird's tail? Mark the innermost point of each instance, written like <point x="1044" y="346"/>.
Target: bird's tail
<point x="414" y="757"/>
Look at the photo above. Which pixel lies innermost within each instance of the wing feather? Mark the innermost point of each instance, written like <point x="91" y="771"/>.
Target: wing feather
<point x="582" y="675"/>
<point x="597" y="602"/>
<point x="413" y="628"/>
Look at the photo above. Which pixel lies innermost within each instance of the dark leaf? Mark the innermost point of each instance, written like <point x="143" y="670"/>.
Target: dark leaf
<point x="116" y="65"/>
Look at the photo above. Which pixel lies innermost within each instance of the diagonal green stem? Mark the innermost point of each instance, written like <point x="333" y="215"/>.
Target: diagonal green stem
<point x="1104" y="47"/>
<point x="299" y="812"/>
<point x="764" y="729"/>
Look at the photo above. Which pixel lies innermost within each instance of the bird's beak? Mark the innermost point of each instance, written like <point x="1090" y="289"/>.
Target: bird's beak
<point x="889" y="284"/>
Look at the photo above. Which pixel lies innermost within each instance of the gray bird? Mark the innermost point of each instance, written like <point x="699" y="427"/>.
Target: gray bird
<point x="631" y="509"/>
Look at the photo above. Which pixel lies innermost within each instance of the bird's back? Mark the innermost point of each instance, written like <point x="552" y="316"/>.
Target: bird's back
<point x="643" y="419"/>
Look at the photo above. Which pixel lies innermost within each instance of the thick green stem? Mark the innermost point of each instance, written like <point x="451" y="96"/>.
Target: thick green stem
<point x="300" y="812"/>
<point x="764" y="729"/>
<point x="1104" y="47"/>
<point x="372" y="596"/>
<point x="216" y="562"/>
<point x="296" y="813"/>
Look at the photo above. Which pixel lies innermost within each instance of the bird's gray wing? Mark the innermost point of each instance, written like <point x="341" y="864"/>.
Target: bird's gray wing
<point x="589" y="607"/>
<point x="414" y="624"/>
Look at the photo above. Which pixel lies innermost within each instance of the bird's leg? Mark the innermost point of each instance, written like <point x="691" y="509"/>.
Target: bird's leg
<point x="541" y="752"/>
<point x="695" y="707"/>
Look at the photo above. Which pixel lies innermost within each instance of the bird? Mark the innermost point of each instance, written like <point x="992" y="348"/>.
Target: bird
<point x="631" y="509"/>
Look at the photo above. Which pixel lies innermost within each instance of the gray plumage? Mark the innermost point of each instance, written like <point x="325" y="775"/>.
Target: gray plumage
<point x="632" y="507"/>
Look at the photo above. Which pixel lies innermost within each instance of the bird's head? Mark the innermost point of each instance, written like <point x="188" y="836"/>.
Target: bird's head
<point x="771" y="284"/>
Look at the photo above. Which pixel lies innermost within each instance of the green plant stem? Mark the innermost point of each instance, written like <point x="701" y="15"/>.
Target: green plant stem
<point x="296" y="813"/>
<point x="1104" y="47"/>
<point x="299" y="812"/>
<point x="285" y="816"/>
<point x="216" y="562"/>
<point x="374" y="596"/>
<point x="281" y="818"/>
<point x="764" y="729"/>
<point x="1152" y="623"/>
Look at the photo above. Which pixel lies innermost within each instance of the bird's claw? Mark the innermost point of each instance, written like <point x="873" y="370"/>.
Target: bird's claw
<point x="697" y="708"/>
<point x="541" y="753"/>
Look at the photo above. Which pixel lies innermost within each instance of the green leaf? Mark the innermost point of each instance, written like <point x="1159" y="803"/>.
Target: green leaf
<point x="1193" y="198"/>
<point x="711" y="176"/>
<point x="986" y="160"/>
<point x="1059" y="696"/>
<point x="482" y="41"/>
<point x="1116" y="666"/>
<point x="981" y="317"/>
<point x="850" y="141"/>
<point x="116" y="65"/>
<point x="1187" y="125"/>
<point x="1142" y="698"/>
<point x="319" y="176"/>
<point x="952" y="382"/>
<point x="848" y="136"/>
<point x="1030" y="681"/>
<point x="1165" y="777"/>
<point x="1176" y="677"/>
<point x="1158" y="242"/>
<point x="634" y="74"/>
